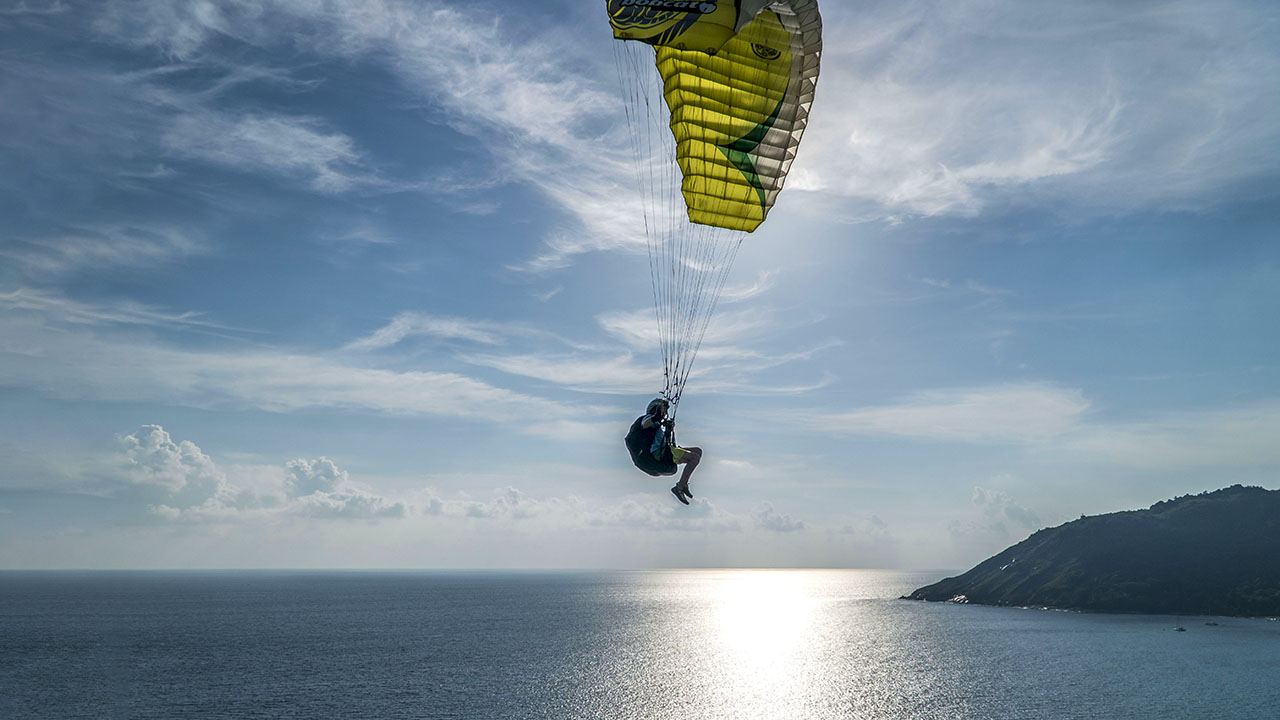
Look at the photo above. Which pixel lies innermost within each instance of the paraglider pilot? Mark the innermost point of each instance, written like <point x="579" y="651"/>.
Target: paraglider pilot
<point x="652" y="443"/>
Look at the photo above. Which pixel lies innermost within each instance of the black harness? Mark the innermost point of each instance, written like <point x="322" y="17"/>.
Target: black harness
<point x="640" y="445"/>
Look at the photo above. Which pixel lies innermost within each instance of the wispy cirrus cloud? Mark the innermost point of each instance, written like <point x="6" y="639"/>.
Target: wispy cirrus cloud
<point x="23" y="7"/>
<point x="901" y="127"/>
<point x="60" y="309"/>
<point x="624" y="364"/>
<point x="79" y="249"/>
<point x="1061" y="421"/>
<point x="725" y="361"/>
<point x="639" y="328"/>
<point x="74" y="130"/>
<point x="984" y="292"/>
<point x="619" y="373"/>
<point x="181" y="29"/>
<point x="520" y="89"/>
<point x="1242" y="435"/>
<point x="765" y="281"/>
<point x="407" y="325"/>
<point x="298" y="147"/>
<point x="63" y="356"/>
<point x="723" y="370"/>
<point x="1014" y="414"/>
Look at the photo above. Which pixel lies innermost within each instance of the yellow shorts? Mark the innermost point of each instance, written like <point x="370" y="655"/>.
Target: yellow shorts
<point x="678" y="453"/>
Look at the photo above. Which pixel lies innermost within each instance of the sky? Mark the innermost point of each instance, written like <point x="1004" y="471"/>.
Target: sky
<point x="363" y="284"/>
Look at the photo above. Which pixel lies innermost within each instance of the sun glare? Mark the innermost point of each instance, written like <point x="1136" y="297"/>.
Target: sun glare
<point x="763" y="622"/>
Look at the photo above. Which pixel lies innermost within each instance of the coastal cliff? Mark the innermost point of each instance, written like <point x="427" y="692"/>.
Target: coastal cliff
<point x="1217" y="553"/>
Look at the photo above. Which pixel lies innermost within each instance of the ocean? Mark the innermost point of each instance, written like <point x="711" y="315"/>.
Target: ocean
<point x="724" y="644"/>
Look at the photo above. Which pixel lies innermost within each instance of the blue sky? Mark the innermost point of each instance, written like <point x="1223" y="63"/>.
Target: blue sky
<point x="363" y="284"/>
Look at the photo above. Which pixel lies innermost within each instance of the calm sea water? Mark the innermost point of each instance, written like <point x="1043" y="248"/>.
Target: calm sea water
<point x="618" y="645"/>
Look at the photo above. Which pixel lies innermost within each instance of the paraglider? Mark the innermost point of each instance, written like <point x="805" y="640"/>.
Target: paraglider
<point x="652" y="444"/>
<point x="736" y="80"/>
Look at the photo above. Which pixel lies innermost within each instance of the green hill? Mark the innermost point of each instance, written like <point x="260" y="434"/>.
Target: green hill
<point x="1216" y="553"/>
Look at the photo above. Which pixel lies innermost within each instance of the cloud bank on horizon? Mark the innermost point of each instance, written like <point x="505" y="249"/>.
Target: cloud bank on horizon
<point x="387" y="258"/>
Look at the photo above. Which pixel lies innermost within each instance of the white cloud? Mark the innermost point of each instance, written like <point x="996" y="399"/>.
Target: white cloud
<point x="407" y="325"/>
<point x="1232" y="437"/>
<point x="1014" y="414"/>
<point x="412" y="325"/>
<point x="350" y="504"/>
<point x="298" y="147"/>
<point x="548" y="294"/>
<point x="700" y="515"/>
<point x="617" y="374"/>
<point x="985" y="294"/>
<point x="639" y="328"/>
<point x="321" y="489"/>
<point x="868" y="526"/>
<point x="722" y="366"/>
<point x="93" y="249"/>
<point x="512" y="504"/>
<point x="773" y="521"/>
<point x="195" y="489"/>
<point x="40" y="7"/>
<point x="59" y="309"/>
<point x="523" y="90"/>
<point x="993" y="521"/>
<point x="1058" y="420"/>
<point x="925" y="109"/>
<point x="77" y="129"/>
<point x="361" y="235"/>
<point x="180" y="29"/>
<point x="310" y="476"/>
<point x="155" y="459"/>
<point x="765" y="281"/>
<point x="729" y="370"/>
<point x="74" y="363"/>
<point x="999" y="507"/>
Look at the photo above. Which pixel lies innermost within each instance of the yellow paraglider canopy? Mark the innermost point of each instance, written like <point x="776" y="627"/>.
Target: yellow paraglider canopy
<point x="738" y="79"/>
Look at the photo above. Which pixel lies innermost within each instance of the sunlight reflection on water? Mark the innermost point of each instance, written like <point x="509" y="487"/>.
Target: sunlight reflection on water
<point x="760" y="621"/>
<point x="763" y="644"/>
<point x="775" y="644"/>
